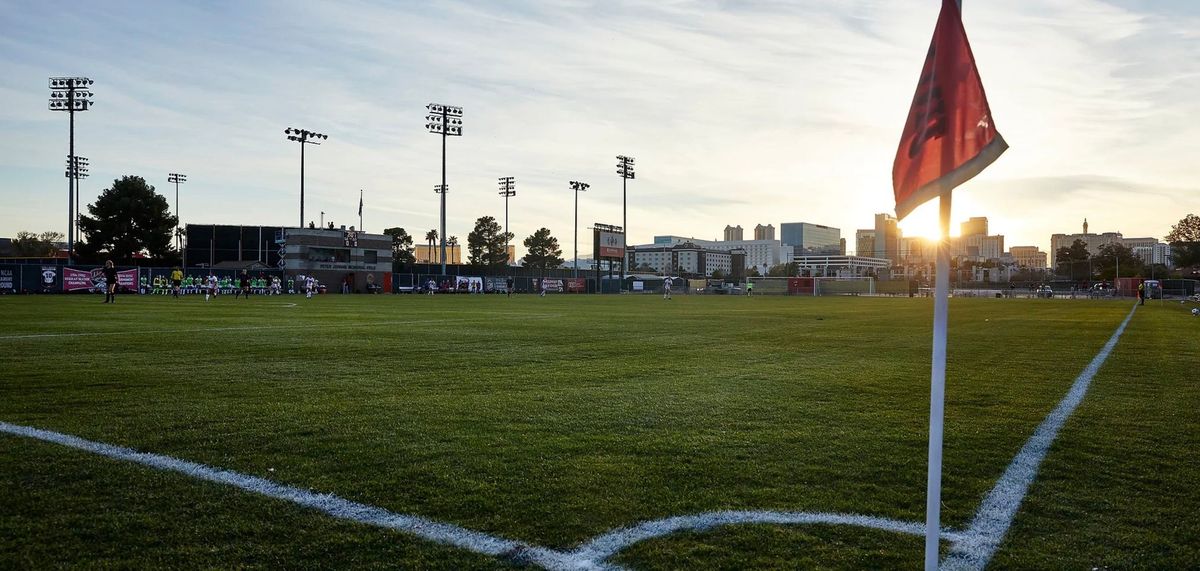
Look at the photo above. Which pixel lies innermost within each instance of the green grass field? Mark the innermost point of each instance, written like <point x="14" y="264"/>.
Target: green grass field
<point x="554" y="420"/>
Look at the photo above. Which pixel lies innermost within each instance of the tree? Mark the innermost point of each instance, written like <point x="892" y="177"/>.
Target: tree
<point x="128" y="218"/>
<point x="402" y="246"/>
<point x="30" y="245"/>
<point x="1185" y="241"/>
<point x="784" y="270"/>
<point x="452" y="241"/>
<point x="485" y="244"/>
<point x="431" y="238"/>
<point x="717" y="274"/>
<point x="752" y="272"/>
<point x="1114" y="257"/>
<point x="1072" y="261"/>
<point x="542" y="250"/>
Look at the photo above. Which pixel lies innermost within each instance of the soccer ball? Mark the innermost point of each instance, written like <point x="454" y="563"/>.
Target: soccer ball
<point x="1196" y="312"/>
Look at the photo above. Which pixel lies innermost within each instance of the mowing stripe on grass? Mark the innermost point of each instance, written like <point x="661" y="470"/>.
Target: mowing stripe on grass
<point x="996" y="512"/>
<point x="262" y="327"/>
<point x="333" y="505"/>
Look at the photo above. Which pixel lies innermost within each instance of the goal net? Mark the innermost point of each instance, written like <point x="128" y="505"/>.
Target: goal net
<point x="861" y="285"/>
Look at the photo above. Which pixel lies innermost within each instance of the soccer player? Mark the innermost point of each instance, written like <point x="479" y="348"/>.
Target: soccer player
<point x="244" y="288"/>
<point x="431" y="286"/>
<point x="176" y="281"/>
<point x="110" y="285"/>
<point x="309" y="286"/>
<point x="509" y="286"/>
<point x="667" y="288"/>
<point x="212" y="287"/>
<point x="276" y="286"/>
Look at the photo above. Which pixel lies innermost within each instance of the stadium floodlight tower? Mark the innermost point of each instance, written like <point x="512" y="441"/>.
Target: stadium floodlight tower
<point x="578" y="187"/>
<point x="444" y="120"/>
<point x="177" y="178"/>
<point x="70" y="94"/>
<point x="508" y="189"/>
<point x="625" y="170"/>
<point x="304" y="137"/>
<point x="77" y="168"/>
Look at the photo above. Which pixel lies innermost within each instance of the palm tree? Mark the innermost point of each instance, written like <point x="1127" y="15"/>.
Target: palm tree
<point x="452" y="241"/>
<point x="431" y="237"/>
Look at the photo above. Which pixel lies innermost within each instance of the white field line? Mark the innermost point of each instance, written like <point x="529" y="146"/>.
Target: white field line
<point x="264" y="327"/>
<point x="996" y="512"/>
<point x="335" y="506"/>
<point x="970" y="549"/>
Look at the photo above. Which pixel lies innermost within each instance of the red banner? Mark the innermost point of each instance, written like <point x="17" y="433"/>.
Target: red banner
<point x="950" y="136"/>
<point x="81" y="280"/>
<point x="576" y="285"/>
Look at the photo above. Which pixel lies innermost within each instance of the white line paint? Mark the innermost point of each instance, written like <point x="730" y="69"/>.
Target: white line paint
<point x="970" y="549"/>
<point x="333" y="505"/>
<point x="996" y="512"/>
<point x="613" y="542"/>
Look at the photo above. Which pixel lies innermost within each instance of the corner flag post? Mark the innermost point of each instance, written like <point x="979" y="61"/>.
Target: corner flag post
<point x="949" y="137"/>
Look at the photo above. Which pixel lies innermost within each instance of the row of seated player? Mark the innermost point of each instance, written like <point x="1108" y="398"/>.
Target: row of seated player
<point x="161" y="285"/>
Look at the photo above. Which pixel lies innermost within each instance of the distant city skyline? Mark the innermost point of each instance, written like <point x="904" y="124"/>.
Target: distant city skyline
<point x="736" y="113"/>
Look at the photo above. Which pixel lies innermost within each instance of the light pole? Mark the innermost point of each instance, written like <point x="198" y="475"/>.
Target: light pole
<point x="625" y="170"/>
<point x="442" y="190"/>
<point x="77" y="168"/>
<point x="578" y="187"/>
<point x="304" y="137"/>
<point x="70" y="94"/>
<point x="177" y="178"/>
<point x="508" y="190"/>
<point x="444" y="120"/>
<point x="322" y="219"/>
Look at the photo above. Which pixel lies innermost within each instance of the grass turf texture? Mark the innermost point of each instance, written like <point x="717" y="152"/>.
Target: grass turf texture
<point x="552" y="420"/>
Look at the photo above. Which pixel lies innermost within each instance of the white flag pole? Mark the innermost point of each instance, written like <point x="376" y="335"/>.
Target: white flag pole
<point x="937" y="388"/>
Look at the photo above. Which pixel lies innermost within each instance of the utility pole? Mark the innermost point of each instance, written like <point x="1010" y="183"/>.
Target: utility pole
<point x="304" y="137"/>
<point x="507" y="190"/>
<point x="625" y="169"/>
<point x="70" y="94"/>
<point x="444" y="120"/>
<point x="578" y="187"/>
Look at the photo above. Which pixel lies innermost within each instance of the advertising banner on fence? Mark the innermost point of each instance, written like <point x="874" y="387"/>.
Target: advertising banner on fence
<point x="547" y="284"/>
<point x="49" y="278"/>
<point x="576" y="285"/>
<point x="6" y="280"/>
<point x="84" y="280"/>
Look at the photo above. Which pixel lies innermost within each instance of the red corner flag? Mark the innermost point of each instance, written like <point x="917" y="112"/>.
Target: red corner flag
<point x="950" y="136"/>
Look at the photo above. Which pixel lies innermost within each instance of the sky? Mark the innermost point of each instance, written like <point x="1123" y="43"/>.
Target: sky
<point x="738" y="113"/>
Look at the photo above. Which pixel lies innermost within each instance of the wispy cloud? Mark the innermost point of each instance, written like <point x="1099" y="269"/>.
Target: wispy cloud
<point x="737" y="112"/>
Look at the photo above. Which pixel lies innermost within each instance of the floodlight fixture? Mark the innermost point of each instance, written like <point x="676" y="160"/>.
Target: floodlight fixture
<point x="508" y="189"/>
<point x="304" y="137"/>
<point x="70" y="94"/>
<point x="178" y="179"/>
<point x="625" y="170"/>
<point x="444" y="120"/>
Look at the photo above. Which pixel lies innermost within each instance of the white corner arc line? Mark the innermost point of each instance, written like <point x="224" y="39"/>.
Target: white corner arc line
<point x="335" y="506"/>
<point x="996" y="512"/>
<point x="604" y="546"/>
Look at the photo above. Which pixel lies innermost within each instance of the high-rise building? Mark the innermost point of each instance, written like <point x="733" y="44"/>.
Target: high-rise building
<point x="887" y="237"/>
<point x="733" y="233"/>
<point x="1093" y="241"/>
<point x="1028" y="257"/>
<point x="864" y="243"/>
<point x="976" y="225"/>
<point x="764" y="232"/>
<point x="807" y="238"/>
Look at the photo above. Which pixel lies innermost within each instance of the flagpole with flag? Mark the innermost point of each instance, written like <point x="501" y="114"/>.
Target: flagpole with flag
<point x="949" y="137"/>
<point x="360" y="204"/>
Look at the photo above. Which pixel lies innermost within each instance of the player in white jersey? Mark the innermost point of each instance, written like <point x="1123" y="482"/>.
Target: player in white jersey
<point x="667" y="288"/>
<point x="213" y="288"/>
<point x="310" y="285"/>
<point x="276" y="286"/>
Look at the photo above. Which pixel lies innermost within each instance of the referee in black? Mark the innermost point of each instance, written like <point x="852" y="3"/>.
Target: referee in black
<point x="110" y="282"/>
<point x="245" y="290"/>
